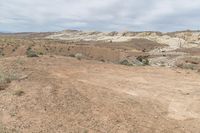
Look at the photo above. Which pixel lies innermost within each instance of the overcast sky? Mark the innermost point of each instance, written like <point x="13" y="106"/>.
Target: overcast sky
<point x="101" y="15"/>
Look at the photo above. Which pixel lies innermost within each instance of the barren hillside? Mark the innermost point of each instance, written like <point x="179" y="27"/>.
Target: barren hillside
<point x="94" y="82"/>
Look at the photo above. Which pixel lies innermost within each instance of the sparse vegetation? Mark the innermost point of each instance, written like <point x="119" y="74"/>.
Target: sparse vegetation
<point x="162" y="64"/>
<point x="3" y="86"/>
<point x="1" y="52"/>
<point x="15" y="48"/>
<point x="143" y="59"/>
<point x="19" y="93"/>
<point x="187" y="66"/>
<point x="71" y="55"/>
<point x="191" y="63"/>
<point x="126" y="62"/>
<point x="6" y="130"/>
<point x="19" y="61"/>
<point x="140" y="61"/>
<point x="41" y="53"/>
<point x="6" y="78"/>
<point x="85" y="131"/>
<point x="79" y="56"/>
<point x="31" y="53"/>
<point x="102" y="60"/>
<point x="46" y="85"/>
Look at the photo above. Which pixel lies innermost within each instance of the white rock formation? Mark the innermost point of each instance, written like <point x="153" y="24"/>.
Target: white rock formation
<point x="176" y="40"/>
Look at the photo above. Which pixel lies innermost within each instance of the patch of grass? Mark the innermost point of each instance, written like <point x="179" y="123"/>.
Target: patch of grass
<point x="3" y="129"/>
<point x="6" y="78"/>
<point x="19" y="61"/>
<point x="6" y="130"/>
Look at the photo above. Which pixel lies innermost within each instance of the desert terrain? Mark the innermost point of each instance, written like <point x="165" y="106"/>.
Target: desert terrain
<point x="100" y="82"/>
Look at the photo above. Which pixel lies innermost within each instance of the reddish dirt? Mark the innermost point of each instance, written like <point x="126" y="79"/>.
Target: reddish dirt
<point x="191" y="51"/>
<point x="62" y="94"/>
<point x="109" y="52"/>
<point x="137" y="44"/>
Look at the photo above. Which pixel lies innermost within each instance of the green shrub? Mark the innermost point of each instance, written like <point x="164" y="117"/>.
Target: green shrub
<point x="143" y="59"/>
<point x="125" y="62"/>
<point x="102" y="60"/>
<point x="145" y="62"/>
<point x="71" y="55"/>
<point x="41" y="53"/>
<point x="31" y="53"/>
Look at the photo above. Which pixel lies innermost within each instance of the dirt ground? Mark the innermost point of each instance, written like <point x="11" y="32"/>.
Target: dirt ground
<point x="101" y="51"/>
<point x="62" y="95"/>
<point x="60" y="86"/>
<point x="191" y="51"/>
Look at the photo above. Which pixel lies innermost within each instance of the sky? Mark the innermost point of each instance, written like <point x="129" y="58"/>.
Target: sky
<point x="99" y="15"/>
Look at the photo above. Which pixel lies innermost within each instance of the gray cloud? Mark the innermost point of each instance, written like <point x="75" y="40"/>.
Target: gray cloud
<point x="102" y="15"/>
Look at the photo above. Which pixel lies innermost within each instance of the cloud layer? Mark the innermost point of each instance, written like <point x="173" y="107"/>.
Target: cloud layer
<point x="102" y="15"/>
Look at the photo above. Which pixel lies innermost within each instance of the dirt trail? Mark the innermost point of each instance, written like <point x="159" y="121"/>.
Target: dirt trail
<point x="63" y="94"/>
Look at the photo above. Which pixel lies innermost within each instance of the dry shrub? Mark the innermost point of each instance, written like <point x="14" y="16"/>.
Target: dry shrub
<point x="79" y="56"/>
<point x="126" y="63"/>
<point x="31" y="53"/>
<point x="143" y="59"/>
<point x="19" y="93"/>
<point x="6" y="78"/>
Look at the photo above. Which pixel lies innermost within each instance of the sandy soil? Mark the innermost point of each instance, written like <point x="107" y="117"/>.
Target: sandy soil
<point x="63" y="94"/>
